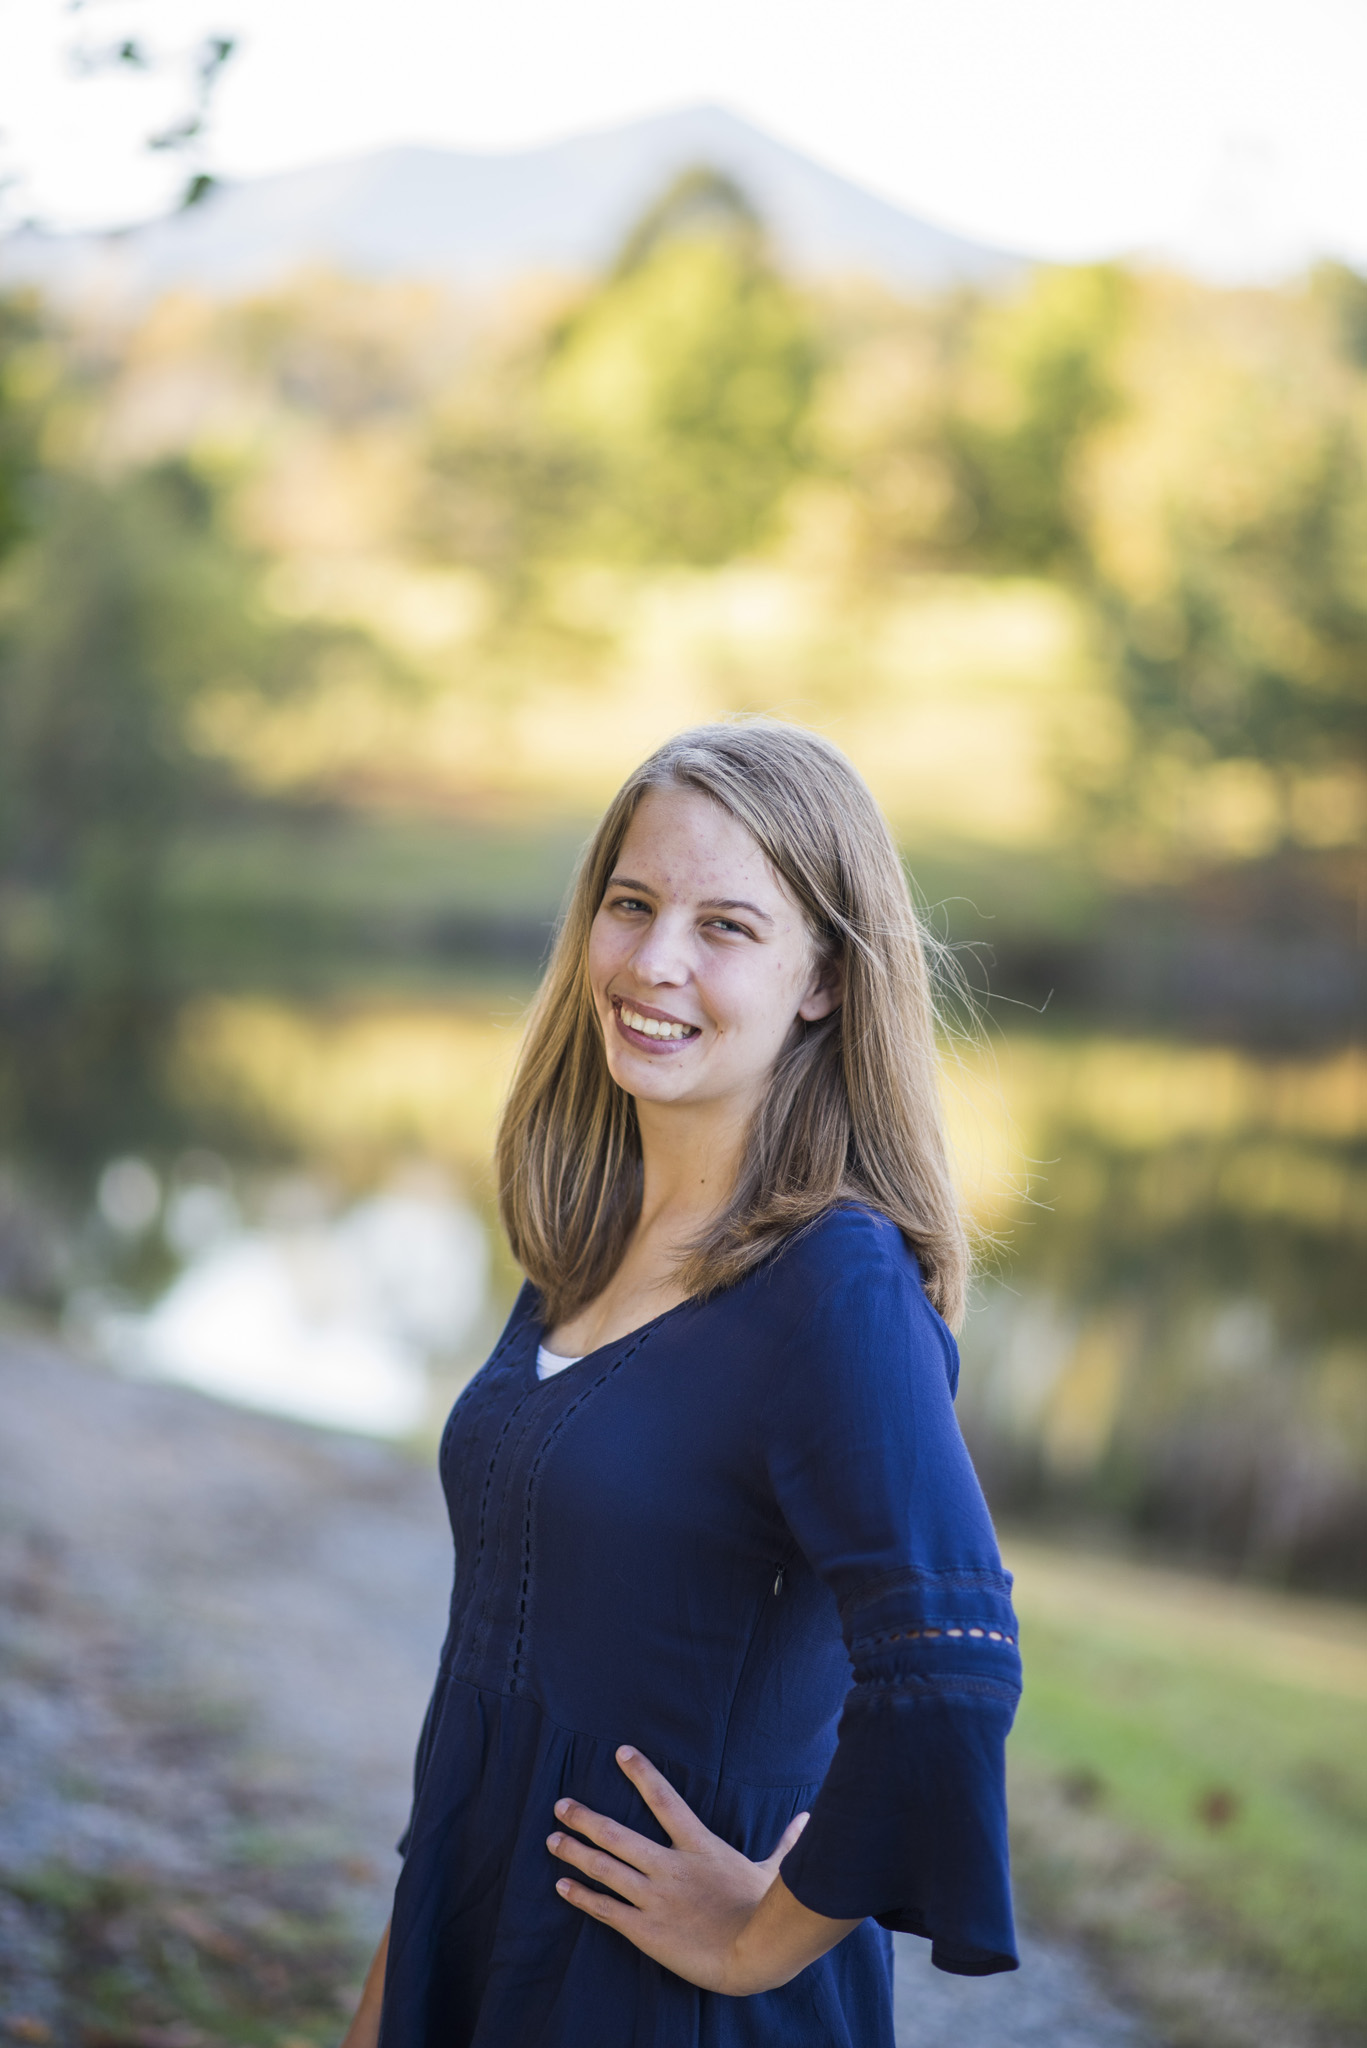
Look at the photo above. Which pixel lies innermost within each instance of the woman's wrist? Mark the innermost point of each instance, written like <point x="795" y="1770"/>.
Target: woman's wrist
<point x="776" y="1941"/>
<point x="748" y="1968"/>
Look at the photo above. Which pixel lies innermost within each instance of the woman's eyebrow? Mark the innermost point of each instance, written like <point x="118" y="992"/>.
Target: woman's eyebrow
<point x="737" y="903"/>
<point x="712" y="903"/>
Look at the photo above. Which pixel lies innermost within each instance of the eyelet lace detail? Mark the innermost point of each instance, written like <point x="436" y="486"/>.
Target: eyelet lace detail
<point x="918" y="1635"/>
<point x="524" y="1591"/>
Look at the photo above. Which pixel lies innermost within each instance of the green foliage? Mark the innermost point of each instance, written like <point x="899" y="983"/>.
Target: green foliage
<point x="121" y="613"/>
<point x="127" y="604"/>
<point x="118" y="611"/>
<point x="502" y="494"/>
<point x="187" y="133"/>
<point x="1344" y="293"/>
<point x="960" y="427"/>
<point x="662" y="420"/>
<point x="700" y="201"/>
<point x="1038" y="376"/>
<point x="1228" y="541"/>
<point x="20" y="342"/>
<point x="691" y="371"/>
<point x="1190" y="462"/>
<point x="1257" y="647"/>
<point x="323" y="349"/>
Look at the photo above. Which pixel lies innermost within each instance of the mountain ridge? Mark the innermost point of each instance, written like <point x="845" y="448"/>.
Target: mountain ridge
<point x="476" y="220"/>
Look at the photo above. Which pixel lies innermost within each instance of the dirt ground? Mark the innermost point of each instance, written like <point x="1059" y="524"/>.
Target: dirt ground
<point x="218" y="1633"/>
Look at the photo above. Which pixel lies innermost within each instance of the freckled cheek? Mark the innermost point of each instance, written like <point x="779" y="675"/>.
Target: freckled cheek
<point x="605" y="953"/>
<point x="748" y="1006"/>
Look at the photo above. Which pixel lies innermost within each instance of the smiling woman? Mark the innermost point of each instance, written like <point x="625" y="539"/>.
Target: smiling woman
<point x="708" y="1494"/>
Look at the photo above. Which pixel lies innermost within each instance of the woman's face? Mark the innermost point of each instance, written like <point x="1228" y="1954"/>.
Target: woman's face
<point x="700" y="958"/>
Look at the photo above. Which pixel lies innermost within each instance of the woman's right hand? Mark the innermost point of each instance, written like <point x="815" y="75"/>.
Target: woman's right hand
<point x="712" y="1916"/>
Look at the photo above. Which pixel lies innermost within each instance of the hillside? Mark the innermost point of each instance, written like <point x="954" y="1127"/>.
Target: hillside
<point x="475" y="220"/>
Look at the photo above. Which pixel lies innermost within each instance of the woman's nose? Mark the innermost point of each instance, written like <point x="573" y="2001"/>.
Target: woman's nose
<point x="662" y="955"/>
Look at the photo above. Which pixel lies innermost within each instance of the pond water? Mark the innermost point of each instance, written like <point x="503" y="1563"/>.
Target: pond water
<point x="1168" y="1337"/>
<point x="337" y="1319"/>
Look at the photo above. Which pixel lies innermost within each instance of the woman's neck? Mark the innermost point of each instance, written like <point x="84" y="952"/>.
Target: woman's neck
<point x="690" y="1159"/>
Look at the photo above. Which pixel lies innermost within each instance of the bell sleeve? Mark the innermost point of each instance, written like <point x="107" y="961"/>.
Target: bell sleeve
<point x="875" y="1483"/>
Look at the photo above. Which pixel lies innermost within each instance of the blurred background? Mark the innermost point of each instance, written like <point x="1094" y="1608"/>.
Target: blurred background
<point x="403" y="427"/>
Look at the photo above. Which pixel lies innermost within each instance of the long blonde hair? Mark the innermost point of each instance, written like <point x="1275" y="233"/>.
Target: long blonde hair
<point x="853" y="1110"/>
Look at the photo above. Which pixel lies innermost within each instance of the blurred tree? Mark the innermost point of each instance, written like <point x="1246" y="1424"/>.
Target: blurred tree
<point x="503" y="493"/>
<point x="198" y="69"/>
<point x="662" y="419"/>
<point x="499" y="486"/>
<point x="1344" y="293"/>
<point x="1037" y="374"/>
<point x="1227" y="558"/>
<point x="349" y="353"/>
<point x="960" y="427"/>
<point x="128" y="602"/>
<point x="690" y="371"/>
<point x="21" y="348"/>
<point x="124" y="602"/>
<point x="700" y="201"/>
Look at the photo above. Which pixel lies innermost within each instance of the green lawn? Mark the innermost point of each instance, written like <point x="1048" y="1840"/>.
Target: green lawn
<point x="1190" y="1766"/>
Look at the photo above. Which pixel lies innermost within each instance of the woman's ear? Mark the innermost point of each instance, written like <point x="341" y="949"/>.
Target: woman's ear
<point x="825" y="990"/>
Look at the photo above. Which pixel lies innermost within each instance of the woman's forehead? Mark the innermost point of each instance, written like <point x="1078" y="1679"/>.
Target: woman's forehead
<point x="684" y="843"/>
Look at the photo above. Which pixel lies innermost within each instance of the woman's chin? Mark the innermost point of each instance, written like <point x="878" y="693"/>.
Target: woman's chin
<point x="651" y="1080"/>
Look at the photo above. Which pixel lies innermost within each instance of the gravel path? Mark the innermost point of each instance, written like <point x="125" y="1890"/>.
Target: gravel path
<point x="209" y="1614"/>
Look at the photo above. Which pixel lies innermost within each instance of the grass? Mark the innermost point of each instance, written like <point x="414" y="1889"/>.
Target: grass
<point x="1190" y="1769"/>
<point x="137" y="1963"/>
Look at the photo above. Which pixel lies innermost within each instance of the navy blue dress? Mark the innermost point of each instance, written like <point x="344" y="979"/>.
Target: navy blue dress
<point x="748" y="1540"/>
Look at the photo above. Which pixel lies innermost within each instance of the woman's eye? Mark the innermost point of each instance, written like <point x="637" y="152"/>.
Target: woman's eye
<point x="628" y="903"/>
<point x="728" y="925"/>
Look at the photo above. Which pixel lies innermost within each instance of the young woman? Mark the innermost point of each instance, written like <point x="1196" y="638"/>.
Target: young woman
<point x="731" y="1659"/>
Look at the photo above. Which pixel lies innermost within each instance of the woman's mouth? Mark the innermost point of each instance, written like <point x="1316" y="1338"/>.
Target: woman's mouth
<point x="651" y="1030"/>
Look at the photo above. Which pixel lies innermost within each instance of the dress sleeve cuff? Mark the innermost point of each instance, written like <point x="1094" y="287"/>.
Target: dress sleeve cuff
<point x="909" y="1827"/>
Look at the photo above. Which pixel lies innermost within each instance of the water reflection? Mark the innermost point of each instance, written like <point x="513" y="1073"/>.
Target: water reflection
<point x="1173" y="1340"/>
<point x="334" y="1319"/>
<point x="1167" y="1335"/>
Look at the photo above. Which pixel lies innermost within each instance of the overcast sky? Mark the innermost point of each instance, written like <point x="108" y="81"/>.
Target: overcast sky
<point x="1230" y="133"/>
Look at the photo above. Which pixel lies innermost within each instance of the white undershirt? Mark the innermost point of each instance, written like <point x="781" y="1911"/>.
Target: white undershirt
<point x="548" y="1363"/>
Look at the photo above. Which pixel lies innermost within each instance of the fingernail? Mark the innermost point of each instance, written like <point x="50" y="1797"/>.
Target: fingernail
<point x="553" y="1841"/>
<point x="562" y="1807"/>
<point x="626" y="1756"/>
<point x="563" y="1886"/>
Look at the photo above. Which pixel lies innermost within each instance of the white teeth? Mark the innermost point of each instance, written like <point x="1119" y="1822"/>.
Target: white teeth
<point x="652" y="1027"/>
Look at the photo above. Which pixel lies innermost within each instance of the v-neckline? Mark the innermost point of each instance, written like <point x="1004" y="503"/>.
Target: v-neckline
<point x="614" y="1344"/>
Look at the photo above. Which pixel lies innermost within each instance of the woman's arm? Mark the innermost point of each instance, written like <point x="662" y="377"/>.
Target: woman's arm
<point x="873" y="1482"/>
<point x="364" y="2030"/>
<point x="699" y="1907"/>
